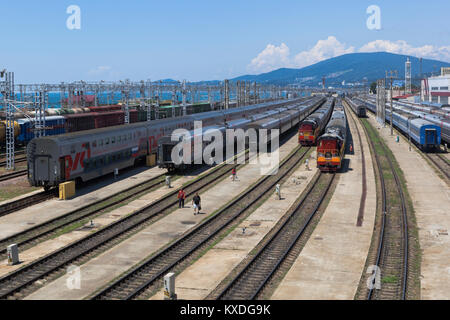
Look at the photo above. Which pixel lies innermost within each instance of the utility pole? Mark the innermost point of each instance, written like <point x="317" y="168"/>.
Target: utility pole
<point x="391" y="74"/>
<point x="226" y="94"/>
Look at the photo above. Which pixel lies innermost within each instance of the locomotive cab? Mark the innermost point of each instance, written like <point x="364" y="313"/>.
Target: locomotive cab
<point x="328" y="153"/>
<point x="306" y="135"/>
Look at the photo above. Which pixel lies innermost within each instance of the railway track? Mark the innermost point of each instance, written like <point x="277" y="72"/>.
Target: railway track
<point x="16" y="160"/>
<point x="362" y="203"/>
<point x="136" y="282"/>
<point x="440" y="162"/>
<point x="23" y="281"/>
<point x="256" y="274"/>
<point x="392" y="249"/>
<point x="12" y="175"/>
<point x="27" y="201"/>
<point x="39" y="233"/>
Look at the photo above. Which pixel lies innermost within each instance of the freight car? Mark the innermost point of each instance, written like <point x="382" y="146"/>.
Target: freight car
<point x="93" y="153"/>
<point x="312" y="126"/>
<point x="53" y="125"/>
<point x="331" y="145"/>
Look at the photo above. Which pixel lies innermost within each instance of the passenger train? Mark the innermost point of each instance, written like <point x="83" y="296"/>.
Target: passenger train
<point x="85" y="155"/>
<point x="358" y="108"/>
<point x="282" y="118"/>
<point x="425" y="134"/>
<point x="331" y="145"/>
<point x="313" y="125"/>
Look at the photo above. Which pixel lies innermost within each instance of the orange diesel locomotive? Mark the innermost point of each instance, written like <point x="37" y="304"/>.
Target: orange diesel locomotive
<point x="331" y="145"/>
<point x="313" y="125"/>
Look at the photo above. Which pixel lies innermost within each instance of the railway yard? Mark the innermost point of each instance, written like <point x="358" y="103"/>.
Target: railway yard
<point x="348" y="211"/>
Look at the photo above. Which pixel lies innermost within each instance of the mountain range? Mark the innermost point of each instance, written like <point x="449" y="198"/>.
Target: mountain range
<point x="351" y="68"/>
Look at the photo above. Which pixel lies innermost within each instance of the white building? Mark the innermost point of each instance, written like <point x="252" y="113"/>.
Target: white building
<point x="436" y="89"/>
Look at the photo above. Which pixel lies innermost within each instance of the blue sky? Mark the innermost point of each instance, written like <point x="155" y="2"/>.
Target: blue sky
<point x="205" y="40"/>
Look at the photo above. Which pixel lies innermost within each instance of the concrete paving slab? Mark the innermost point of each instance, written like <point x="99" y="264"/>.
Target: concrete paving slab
<point x="199" y="279"/>
<point x="102" y="269"/>
<point x="431" y="201"/>
<point x="332" y="261"/>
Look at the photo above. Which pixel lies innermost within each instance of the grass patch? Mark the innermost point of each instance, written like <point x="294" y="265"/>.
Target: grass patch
<point x="389" y="279"/>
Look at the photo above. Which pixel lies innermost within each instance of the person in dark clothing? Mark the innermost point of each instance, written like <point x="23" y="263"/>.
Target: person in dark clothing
<point x="181" y="197"/>
<point x="196" y="201"/>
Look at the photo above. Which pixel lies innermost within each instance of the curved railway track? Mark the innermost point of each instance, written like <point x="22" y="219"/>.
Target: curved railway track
<point x="251" y="280"/>
<point x="392" y="250"/>
<point x="362" y="203"/>
<point x="21" y="281"/>
<point x="135" y="282"/>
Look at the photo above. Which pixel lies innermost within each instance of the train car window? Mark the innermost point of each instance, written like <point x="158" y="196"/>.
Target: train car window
<point x="119" y="138"/>
<point x="100" y="142"/>
<point x="124" y="138"/>
<point x="107" y="141"/>
<point x="94" y="144"/>
<point x="113" y="140"/>
<point x="129" y="136"/>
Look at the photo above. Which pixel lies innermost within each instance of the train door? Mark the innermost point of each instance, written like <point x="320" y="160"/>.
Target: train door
<point x="42" y="168"/>
<point x="62" y="169"/>
<point x="430" y="137"/>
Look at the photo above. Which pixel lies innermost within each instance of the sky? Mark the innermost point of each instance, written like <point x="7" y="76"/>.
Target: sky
<point x="206" y="40"/>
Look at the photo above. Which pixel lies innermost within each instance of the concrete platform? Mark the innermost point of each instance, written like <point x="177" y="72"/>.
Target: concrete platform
<point x="332" y="261"/>
<point x="202" y="277"/>
<point x="431" y="201"/>
<point x="107" y="266"/>
<point x="51" y="245"/>
<point x="41" y="212"/>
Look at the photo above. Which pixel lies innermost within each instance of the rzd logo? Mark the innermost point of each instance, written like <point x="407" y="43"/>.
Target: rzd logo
<point x="72" y="164"/>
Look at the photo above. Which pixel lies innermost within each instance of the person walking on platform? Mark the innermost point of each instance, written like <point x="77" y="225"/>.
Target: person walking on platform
<point x="196" y="201"/>
<point x="233" y="174"/>
<point x="181" y="197"/>
<point x="278" y="191"/>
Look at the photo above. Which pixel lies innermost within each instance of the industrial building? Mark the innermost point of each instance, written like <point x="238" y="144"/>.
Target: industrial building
<point x="436" y="89"/>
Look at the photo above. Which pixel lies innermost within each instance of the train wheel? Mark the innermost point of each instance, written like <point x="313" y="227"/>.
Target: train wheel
<point x="46" y="188"/>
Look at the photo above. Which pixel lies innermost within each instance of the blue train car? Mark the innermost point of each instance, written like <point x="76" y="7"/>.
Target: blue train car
<point x="53" y="125"/>
<point x="424" y="133"/>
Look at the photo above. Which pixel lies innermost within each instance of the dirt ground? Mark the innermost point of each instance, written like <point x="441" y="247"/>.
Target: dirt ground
<point x="14" y="187"/>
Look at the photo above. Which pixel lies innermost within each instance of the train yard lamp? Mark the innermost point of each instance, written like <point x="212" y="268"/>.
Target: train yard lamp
<point x="391" y="74"/>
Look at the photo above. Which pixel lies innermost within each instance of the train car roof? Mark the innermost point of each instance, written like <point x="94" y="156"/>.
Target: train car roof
<point x="423" y="122"/>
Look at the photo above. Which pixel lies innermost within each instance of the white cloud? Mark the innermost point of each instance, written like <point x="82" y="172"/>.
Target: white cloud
<point x="273" y="57"/>
<point x="324" y="49"/>
<point x="100" y="70"/>
<point x="402" y="47"/>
